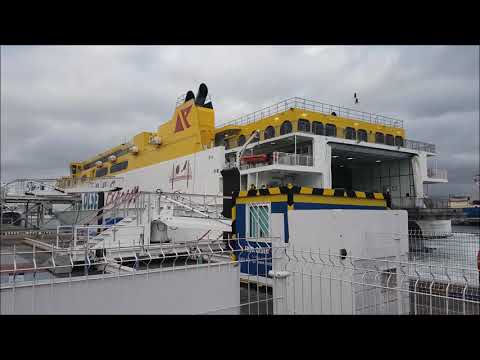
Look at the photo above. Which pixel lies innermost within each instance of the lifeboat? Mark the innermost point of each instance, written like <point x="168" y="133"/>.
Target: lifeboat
<point x="253" y="159"/>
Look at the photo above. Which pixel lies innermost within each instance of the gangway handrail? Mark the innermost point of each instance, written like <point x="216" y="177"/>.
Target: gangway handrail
<point x="169" y="199"/>
<point x="22" y="181"/>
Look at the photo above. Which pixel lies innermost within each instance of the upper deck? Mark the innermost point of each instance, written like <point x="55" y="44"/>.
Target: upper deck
<point x="319" y="107"/>
<point x="317" y="118"/>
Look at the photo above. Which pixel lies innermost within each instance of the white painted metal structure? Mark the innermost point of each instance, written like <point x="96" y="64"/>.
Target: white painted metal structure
<point x="206" y="281"/>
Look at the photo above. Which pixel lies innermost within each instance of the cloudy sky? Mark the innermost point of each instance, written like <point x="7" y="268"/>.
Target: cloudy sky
<point x="65" y="103"/>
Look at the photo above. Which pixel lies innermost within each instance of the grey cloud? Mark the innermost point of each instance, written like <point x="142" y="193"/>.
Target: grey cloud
<point x="65" y="103"/>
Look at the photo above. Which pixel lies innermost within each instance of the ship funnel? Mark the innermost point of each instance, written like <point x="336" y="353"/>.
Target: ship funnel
<point x="201" y="95"/>
<point x="190" y="95"/>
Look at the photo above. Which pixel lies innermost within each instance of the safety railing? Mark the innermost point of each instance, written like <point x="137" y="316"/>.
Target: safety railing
<point x="193" y="205"/>
<point x="281" y="278"/>
<point x="316" y="106"/>
<point x="417" y="202"/>
<point x="444" y="248"/>
<point x="90" y="235"/>
<point x="280" y="158"/>
<point x="95" y="183"/>
<point x="419" y="146"/>
<point x="436" y="173"/>
<point x="22" y="186"/>
<point x="328" y="282"/>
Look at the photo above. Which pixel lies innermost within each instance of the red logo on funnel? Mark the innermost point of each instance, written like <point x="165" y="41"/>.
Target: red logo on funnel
<point x="182" y="119"/>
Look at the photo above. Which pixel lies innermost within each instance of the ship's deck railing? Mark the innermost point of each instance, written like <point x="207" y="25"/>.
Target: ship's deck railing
<point x="419" y="145"/>
<point x="316" y="106"/>
<point x="282" y="158"/>
<point x="436" y="173"/>
<point x="104" y="181"/>
<point x="279" y="158"/>
<point x="277" y="278"/>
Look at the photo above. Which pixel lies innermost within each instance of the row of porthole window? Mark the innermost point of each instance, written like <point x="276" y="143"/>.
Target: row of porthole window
<point x="105" y="158"/>
<point x="318" y="128"/>
<point x="113" y="169"/>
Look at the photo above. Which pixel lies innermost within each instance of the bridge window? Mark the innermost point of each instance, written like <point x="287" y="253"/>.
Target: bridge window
<point x="398" y="141"/>
<point x="256" y="138"/>
<point x="389" y="140"/>
<point x="362" y="135"/>
<point x="269" y="132"/>
<point x="101" y="172"/>
<point x="286" y="128"/>
<point x="350" y="133"/>
<point x="330" y="130"/>
<point x="379" y="138"/>
<point x="317" y="128"/>
<point x="118" y="167"/>
<point x="303" y="125"/>
<point x="241" y="140"/>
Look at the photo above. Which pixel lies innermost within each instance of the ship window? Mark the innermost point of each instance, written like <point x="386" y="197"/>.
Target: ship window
<point x="258" y="221"/>
<point x="241" y="140"/>
<point x="330" y="130"/>
<point x="379" y="138"/>
<point x="398" y="141"/>
<point x="286" y="128"/>
<point x="255" y="138"/>
<point x="226" y="144"/>
<point x="118" y="167"/>
<point x="362" y="135"/>
<point x="269" y="132"/>
<point x="303" y="125"/>
<point x="350" y="133"/>
<point x="101" y="172"/>
<point x="120" y="152"/>
<point x="389" y="140"/>
<point x="89" y="165"/>
<point x="219" y="139"/>
<point x="317" y="128"/>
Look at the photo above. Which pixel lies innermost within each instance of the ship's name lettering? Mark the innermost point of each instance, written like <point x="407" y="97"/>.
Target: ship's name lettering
<point x="118" y="197"/>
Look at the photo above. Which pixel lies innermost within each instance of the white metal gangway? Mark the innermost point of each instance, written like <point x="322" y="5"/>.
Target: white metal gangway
<point x="22" y="187"/>
<point x="31" y="201"/>
<point x="130" y="221"/>
<point x="195" y="205"/>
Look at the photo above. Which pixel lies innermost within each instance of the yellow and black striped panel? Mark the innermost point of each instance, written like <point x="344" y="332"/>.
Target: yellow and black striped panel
<point x="307" y="194"/>
<point x="309" y="191"/>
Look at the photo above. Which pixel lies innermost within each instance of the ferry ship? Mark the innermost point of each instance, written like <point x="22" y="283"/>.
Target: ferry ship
<point x="296" y="141"/>
<point x="296" y="180"/>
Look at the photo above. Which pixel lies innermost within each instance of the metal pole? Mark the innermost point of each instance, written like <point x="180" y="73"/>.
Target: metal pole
<point x="295" y="136"/>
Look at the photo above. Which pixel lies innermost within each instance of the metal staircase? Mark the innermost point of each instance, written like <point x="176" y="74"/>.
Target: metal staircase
<point x="133" y="219"/>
